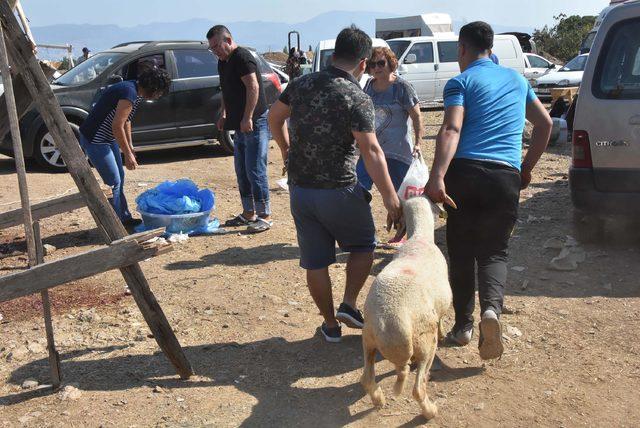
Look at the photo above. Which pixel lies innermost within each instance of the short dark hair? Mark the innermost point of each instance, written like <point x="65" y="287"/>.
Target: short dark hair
<point x="352" y="45"/>
<point x="477" y="35"/>
<point x="217" y="31"/>
<point x="154" y="80"/>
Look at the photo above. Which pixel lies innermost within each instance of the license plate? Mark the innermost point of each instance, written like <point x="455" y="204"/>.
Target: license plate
<point x="544" y="91"/>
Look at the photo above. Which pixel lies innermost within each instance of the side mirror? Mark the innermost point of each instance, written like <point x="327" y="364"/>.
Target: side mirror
<point x="552" y="66"/>
<point x="410" y="59"/>
<point x="113" y="79"/>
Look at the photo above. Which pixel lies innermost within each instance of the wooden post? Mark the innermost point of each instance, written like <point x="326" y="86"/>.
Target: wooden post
<point x="17" y="149"/>
<point x="21" y="53"/>
<point x="54" y="356"/>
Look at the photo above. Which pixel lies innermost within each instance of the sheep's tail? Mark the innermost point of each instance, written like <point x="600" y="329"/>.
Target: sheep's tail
<point x="402" y="371"/>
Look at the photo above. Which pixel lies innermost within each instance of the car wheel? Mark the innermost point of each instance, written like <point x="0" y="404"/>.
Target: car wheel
<point x="588" y="227"/>
<point x="45" y="152"/>
<point x="226" y="141"/>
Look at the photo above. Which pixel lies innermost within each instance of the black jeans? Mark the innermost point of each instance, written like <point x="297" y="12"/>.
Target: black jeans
<point x="487" y="195"/>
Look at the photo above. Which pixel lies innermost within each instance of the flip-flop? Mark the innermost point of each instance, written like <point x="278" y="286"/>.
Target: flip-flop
<point x="260" y="225"/>
<point x="237" y="221"/>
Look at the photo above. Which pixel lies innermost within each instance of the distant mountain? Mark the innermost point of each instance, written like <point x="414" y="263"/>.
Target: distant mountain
<point x="263" y="36"/>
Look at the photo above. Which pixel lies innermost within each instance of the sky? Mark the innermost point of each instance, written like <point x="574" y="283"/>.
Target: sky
<point x="127" y="13"/>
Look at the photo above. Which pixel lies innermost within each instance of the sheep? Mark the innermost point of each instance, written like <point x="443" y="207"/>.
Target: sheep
<point x="405" y="306"/>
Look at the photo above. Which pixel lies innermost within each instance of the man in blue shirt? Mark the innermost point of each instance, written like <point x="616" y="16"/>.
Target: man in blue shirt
<point x="478" y="163"/>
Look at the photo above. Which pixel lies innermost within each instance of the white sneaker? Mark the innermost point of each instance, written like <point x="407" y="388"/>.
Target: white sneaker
<point x="490" y="342"/>
<point x="459" y="337"/>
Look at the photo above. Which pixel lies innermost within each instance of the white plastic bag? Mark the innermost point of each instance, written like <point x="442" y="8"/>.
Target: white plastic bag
<point x="415" y="180"/>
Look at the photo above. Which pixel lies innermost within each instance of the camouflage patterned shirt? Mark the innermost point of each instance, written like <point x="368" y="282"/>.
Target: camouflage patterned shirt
<point x="326" y="107"/>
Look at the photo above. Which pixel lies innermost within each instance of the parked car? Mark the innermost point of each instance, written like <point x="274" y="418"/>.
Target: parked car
<point x="324" y="52"/>
<point x="567" y="76"/>
<point x="186" y="116"/>
<point x="604" y="177"/>
<point x="429" y="62"/>
<point x="536" y="66"/>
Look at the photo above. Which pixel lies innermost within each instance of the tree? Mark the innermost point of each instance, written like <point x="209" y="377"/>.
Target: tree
<point x="285" y="50"/>
<point x="563" y="40"/>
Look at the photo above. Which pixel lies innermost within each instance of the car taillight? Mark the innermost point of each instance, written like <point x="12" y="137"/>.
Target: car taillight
<point x="273" y="77"/>
<point x="581" y="150"/>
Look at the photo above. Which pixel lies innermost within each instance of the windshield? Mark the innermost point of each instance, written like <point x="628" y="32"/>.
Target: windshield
<point x="576" y="64"/>
<point x="325" y="58"/>
<point x="88" y="70"/>
<point x="398" y="47"/>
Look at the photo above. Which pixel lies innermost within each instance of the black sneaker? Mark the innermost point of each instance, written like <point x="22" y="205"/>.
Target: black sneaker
<point x="351" y="317"/>
<point x="333" y="334"/>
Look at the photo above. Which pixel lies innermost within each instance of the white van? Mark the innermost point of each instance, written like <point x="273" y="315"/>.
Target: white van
<point x="605" y="174"/>
<point x="324" y="52"/>
<point x="429" y="62"/>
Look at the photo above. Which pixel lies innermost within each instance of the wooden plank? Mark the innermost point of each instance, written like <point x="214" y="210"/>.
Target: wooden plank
<point x="24" y="102"/>
<point x="46" y="209"/>
<point x="21" y="53"/>
<point x="73" y="268"/>
<point x="54" y="356"/>
<point x="14" y="126"/>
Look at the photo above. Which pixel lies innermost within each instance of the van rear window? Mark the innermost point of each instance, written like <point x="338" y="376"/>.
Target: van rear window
<point x="617" y="74"/>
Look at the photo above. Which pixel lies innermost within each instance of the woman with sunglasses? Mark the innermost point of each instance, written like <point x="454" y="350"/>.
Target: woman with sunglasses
<point x="395" y="101"/>
<point x="105" y="135"/>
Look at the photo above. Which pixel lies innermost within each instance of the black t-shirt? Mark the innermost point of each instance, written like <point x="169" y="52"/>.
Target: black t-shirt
<point x="239" y="64"/>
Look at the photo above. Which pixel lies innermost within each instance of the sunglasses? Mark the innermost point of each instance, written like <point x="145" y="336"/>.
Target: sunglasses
<point x="382" y="63"/>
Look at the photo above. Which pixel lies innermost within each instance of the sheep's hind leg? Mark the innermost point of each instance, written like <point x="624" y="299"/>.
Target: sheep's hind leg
<point x="402" y="371"/>
<point x="429" y="409"/>
<point x="368" y="379"/>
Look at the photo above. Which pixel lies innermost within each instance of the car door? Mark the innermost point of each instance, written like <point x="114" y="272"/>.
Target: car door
<point x="609" y="112"/>
<point x="154" y="121"/>
<point x="197" y="93"/>
<point x="536" y="66"/>
<point x="448" y="66"/>
<point x="421" y="73"/>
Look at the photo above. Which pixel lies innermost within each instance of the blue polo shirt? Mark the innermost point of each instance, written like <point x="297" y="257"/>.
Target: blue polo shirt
<point x="494" y="100"/>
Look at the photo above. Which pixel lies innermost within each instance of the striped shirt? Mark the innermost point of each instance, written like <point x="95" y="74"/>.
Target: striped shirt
<point x="98" y="126"/>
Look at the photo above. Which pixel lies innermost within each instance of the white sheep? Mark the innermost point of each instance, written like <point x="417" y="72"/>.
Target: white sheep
<point x="405" y="306"/>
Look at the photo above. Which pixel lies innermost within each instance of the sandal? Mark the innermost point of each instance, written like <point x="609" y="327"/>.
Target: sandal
<point x="238" y="220"/>
<point x="259" y="225"/>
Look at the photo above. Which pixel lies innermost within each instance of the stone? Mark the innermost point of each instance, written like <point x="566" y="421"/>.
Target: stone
<point x="563" y="312"/>
<point x="158" y="389"/>
<point x="519" y="268"/>
<point x="513" y="331"/>
<point x="88" y="316"/>
<point x="568" y="259"/>
<point x="35" y="348"/>
<point x="30" y="384"/>
<point x="478" y="407"/>
<point x="24" y="419"/>
<point x="554" y="243"/>
<point x="69" y="392"/>
<point x="49" y="249"/>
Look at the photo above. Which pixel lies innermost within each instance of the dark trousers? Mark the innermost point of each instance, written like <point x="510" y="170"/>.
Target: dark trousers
<point x="487" y="195"/>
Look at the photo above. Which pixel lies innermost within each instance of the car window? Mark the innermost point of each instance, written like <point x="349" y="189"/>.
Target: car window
<point x="195" y="63"/>
<point x="325" y="58"/>
<point x="537" y="62"/>
<point x="618" y="70"/>
<point x="576" y="64"/>
<point x="448" y="51"/>
<point x="132" y="70"/>
<point x="398" y="47"/>
<point x="88" y="70"/>
<point x="423" y="52"/>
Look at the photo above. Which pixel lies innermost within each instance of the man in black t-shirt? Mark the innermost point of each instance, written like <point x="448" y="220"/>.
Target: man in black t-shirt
<point x="244" y="110"/>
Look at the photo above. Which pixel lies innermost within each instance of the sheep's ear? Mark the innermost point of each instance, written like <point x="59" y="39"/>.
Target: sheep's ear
<point x="449" y="201"/>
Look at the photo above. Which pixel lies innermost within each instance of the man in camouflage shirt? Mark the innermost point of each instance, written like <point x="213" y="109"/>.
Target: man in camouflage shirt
<point x="329" y="113"/>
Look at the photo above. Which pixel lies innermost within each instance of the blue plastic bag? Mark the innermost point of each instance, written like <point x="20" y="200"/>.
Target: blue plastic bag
<point x="176" y="197"/>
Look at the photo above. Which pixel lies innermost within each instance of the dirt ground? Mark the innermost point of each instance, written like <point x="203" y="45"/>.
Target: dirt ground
<point x="240" y="308"/>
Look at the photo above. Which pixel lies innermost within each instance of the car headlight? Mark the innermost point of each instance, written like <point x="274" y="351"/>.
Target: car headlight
<point x="563" y="82"/>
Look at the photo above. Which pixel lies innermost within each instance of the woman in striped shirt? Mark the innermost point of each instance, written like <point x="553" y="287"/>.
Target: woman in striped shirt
<point x="106" y="133"/>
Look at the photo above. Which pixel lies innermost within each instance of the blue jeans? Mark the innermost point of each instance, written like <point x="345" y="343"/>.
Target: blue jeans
<point x="250" y="160"/>
<point x="397" y="171"/>
<point x="107" y="160"/>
